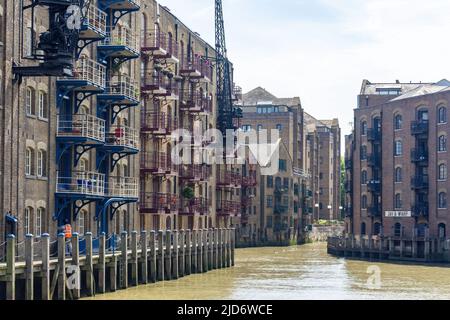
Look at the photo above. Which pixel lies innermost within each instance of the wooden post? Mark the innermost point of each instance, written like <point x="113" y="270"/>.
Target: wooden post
<point x="89" y="267"/>
<point x="211" y="249"/>
<point x="200" y="251"/>
<point x="194" y="268"/>
<point x="62" y="266"/>
<point x="29" y="274"/>
<point x="175" y="255"/>
<point x="223" y="248"/>
<point x="219" y="249"/>
<point x="152" y="257"/>
<point x="101" y="266"/>
<point x="168" y="256"/>
<point x="45" y="271"/>
<point x="134" y="259"/>
<point x="228" y="247"/>
<point x="205" y="249"/>
<point x="11" y="268"/>
<point x="233" y="245"/>
<point x="182" y="256"/>
<point x="76" y="291"/>
<point x="144" y="257"/>
<point x="215" y="249"/>
<point x="161" y="255"/>
<point x="188" y="265"/>
<point x="124" y="260"/>
<point x="112" y="265"/>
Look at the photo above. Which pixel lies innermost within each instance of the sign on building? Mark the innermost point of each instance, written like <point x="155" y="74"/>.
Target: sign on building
<point x="398" y="214"/>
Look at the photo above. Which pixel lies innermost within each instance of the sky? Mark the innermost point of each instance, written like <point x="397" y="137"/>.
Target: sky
<point x="321" y="50"/>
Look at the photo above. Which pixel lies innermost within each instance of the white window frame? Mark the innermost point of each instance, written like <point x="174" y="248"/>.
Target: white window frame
<point x="40" y="163"/>
<point x="28" y="161"/>
<point x="42" y="104"/>
<point x="29" y="101"/>
<point x="26" y="222"/>
<point x="38" y="222"/>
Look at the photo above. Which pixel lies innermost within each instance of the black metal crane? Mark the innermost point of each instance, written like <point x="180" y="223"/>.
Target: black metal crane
<point x="227" y="112"/>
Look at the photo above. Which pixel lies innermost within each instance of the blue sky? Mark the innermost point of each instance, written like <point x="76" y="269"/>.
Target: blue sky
<point x="321" y="50"/>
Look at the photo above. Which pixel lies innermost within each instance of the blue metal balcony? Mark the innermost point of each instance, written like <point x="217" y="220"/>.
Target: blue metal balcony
<point x="419" y="156"/>
<point x="348" y="186"/>
<point x="121" y="140"/>
<point x="118" y="8"/>
<point x="374" y="160"/>
<point x="348" y="211"/>
<point x="81" y="185"/>
<point x="348" y="164"/>
<point x="120" y="45"/>
<point x="420" y="127"/>
<point x="420" y="182"/>
<point x="420" y="210"/>
<point x="374" y="186"/>
<point x="374" y="211"/>
<point x="121" y="92"/>
<point x="93" y="27"/>
<point x="88" y="77"/>
<point x="374" y="135"/>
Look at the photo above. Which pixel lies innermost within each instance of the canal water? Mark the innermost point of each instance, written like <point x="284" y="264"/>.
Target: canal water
<point x="303" y="272"/>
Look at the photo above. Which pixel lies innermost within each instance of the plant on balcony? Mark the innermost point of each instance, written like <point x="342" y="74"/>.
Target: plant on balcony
<point x="188" y="193"/>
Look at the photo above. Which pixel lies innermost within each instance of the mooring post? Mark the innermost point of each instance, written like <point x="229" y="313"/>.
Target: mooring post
<point x="219" y="247"/>
<point x="101" y="266"/>
<point x="62" y="266"/>
<point x="124" y="260"/>
<point x="29" y="274"/>
<point x="205" y="250"/>
<point x="89" y="266"/>
<point x="76" y="291"/>
<point x="182" y="253"/>
<point x="134" y="259"/>
<point x="175" y="255"/>
<point x="161" y="255"/>
<point x="11" y="267"/>
<point x="168" y="256"/>
<point x="152" y="257"/>
<point x="188" y="265"/>
<point x="210" y="249"/>
<point x="215" y="248"/>
<point x="223" y="246"/>
<point x="45" y="271"/>
<point x="233" y="245"/>
<point x="200" y="251"/>
<point x="228" y="247"/>
<point x="144" y="257"/>
<point x="194" y="268"/>
<point x="112" y="266"/>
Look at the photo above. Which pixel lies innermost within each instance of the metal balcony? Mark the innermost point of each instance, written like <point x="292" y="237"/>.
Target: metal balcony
<point x="247" y="201"/>
<point x="373" y="160"/>
<point x="194" y="172"/>
<point x="419" y="156"/>
<point x="348" y="211"/>
<point x="249" y="180"/>
<point x="420" y="182"/>
<point x="228" y="208"/>
<point x="420" y="210"/>
<point x="420" y="127"/>
<point x="348" y="186"/>
<point x="159" y="86"/>
<point x="374" y="211"/>
<point x="121" y="5"/>
<point x="195" y="102"/>
<point x="281" y="209"/>
<point x="88" y="76"/>
<point x="158" y="164"/>
<point x="81" y="184"/>
<point x="157" y="202"/>
<point x="190" y="207"/>
<point x="119" y="43"/>
<point x="348" y="164"/>
<point x="123" y="187"/>
<point x="191" y="67"/>
<point x="206" y="70"/>
<point x="229" y="179"/>
<point x="81" y="129"/>
<point x="160" y="46"/>
<point x="121" y="92"/>
<point x="158" y="123"/>
<point x="93" y="27"/>
<point x="374" y="135"/>
<point x="122" y="139"/>
<point x="374" y="186"/>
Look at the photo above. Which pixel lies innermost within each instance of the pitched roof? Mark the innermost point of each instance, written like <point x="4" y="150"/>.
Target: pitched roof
<point x="260" y="95"/>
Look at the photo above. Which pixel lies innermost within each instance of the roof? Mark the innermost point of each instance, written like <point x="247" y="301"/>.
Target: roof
<point x="260" y="95"/>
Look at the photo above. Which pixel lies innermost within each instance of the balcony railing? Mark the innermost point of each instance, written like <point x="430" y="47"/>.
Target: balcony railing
<point x="89" y="71"/>
<point x="94" y="25"/>
<point x="419" y="182"/>
<point x="158" y="123"/>
<point x="194" y="206"/>
<point x="81" y="183"/>
<point x="122" y="37"/>
<point x="123" y="187"/>
<point x="374" y="186"/>
<point x="228" y="208"/>
<point x="155" y="202"/>
<point x="122" y="136"/>
<point x="373" y="160"/>
<point x="419" y="156"/>
<point x="206" y="70"/>
<point x="420" y="210"/>
<point x="124" y="88"/>
<point x="374" y="211"/>
<point x="159" y="44"/>
<point x="194" y="172"/>
<point x="82" y="126"/>
<point x="280" y="209"/>
<point x="237" y="93"/>
<point x="419" y="127"/>
<point x="373" y="135"/>
<point x="195" y="101"/>
<point x="158" y="163"/>
<point x="191" y="67"/>
<point x="249" y="180"/>
<point x="228" y="178"/>
<point x="348" y="211"/>
<point x="348" y="186"/>
<point x="159" y="85"/>
<point x="348" y="164"/>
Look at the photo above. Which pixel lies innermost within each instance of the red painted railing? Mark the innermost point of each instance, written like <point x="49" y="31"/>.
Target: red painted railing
<point x="158" y="122"/>
<point x="194" y="206"/>
<point x="160" y="44"/>
<point x="228" y="208"/>
<point x="155" y="202"/>
<point x="195" y="101"/>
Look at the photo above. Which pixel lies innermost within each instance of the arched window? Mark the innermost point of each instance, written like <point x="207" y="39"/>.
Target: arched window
<point x="29" y="101"/>
<point x="398" y="175"/>
<point x="279" y="127"/>
<point x="442" y="115"/>
<point x="83" y="165"/>
<point x="42" y="105"/>
<point x="397" y="230"/>
<point x="364" y="202"/>
<point x="398" y="122"/>
<point x="42" y="163"/>
<point x="40" y="214"/>
<point x="259" y="127"/>
<point x="29" y="162"/>
<point x="442" y="203"/>
<point x="27" y="220"/>
<point x="363" y="128"/>
<point x="398" y="148"/>
<point x="377" y="228"/>
<point x="442" y="143"/>
<point x="442" y="231"/>
<point x="82" y="222"/>
<point x="442" y="172"/>
<point x="398" y="201"/>
<point x="363" y="229"/>
<point x="364" y="177"/>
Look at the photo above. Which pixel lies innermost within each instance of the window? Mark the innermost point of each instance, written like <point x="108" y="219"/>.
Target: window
<point x="442" y="172"/>
<point x="42" y="163"/>
<point x="260" y="127"/>
<point x="442" y="200"/>
<point x="269" y="201"/>
<point x="82" y="223"/>
<point x="42" y="106"/>
<point x="398" y="175"/>
<point x="377" y="228"/>
<point x="29" y="162"/>
<point x="442" y="115"/>
<point x="442" y="143"/>
<point x="29" y="103"/>
<point x="363" y="128"/>
<point x="363" y="229"/>
<point x="397" y="230"/>
<point x="269" y="181"/>
<point x="398" y="148"/>
<point x="441" y="231"/>
<point x="26" y="223"/>
<point x="40" y="213"/>
<point x="398" y="122"/>
<point x="279" y="127"/>
<point x="283" y="166"/>
<point x="398" y="201"/>
<point x="246" y="128"/>
<point x="364" y="202"/>
<point x="83" y="165"/>
<point x="364" y="177"/>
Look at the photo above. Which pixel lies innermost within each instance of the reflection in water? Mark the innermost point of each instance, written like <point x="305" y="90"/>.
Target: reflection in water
<point x="304" y="272"/>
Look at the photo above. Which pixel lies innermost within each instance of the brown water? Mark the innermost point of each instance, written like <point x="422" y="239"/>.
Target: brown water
<point x="303" y="272"/>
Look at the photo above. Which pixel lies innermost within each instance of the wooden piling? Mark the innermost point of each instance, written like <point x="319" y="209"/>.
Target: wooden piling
<point x="168" y="256"/>
<point x="205" y="249"/>
<point x="134" y="260"/>
<point x="175" y="255"/>
<point x="112" y="266"/>
<point x="101" y="266"/>
<point x="76" y="290"/>
<point x="223" y="248"/>
<point x="194" y="268"/>
<point x="161" y="255"/>
<point x="210" y="248"/>
<point x="62" y="266"/>
<point x="200" y="251"/>
<point x="188" y="265"/>
<point x="124" y="261"/>
<point x="29" y="274"/>
<point x="45" y="270"/>
<point x="144" y="257"/>
<point x="153" y="262"/>
<point x="11" y="268"/>
<point x="215" y="249"/>
<point x="228" y="247"/>
<point x="89" y="267"/>
<point x="182" y="253"/>
<point x="233" y="245"/>
<point x="219" y="249"/>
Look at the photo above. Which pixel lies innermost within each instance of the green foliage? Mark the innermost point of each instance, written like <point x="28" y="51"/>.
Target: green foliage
<point x="188" y="193"/>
